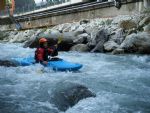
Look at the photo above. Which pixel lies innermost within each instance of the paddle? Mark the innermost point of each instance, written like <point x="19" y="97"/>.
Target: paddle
<point x="60" y="38"/>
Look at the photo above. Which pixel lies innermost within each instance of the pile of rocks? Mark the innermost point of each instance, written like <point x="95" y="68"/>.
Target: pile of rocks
<point x="121" y="34"/>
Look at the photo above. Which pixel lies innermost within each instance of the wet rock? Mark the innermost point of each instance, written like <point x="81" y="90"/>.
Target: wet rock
<point x="137" y="43"/>
<point x="127" y="24"/>
<point x="83" y="38"/>
<point x="68" y="94"/>
<point x="118" y="36"/>
<point x="110" y="46"/>
<point x="33" y="41"/>
<point x="2" y="35"/>
<point x="131" y="31"/>
<point x="7" y="63"/>
<point x="52" y="37"/>
<point x="147" y="28"/>
<point x="86" y="21"/>
<point x="80" y="48"/>
<point x="20" y="36"/>
<point x="120" y="18"/>
<point x="144" y="22"/>
<point x="118" y="51"/>
<point x="67" y="27"/>
<point x="79" y="31"/>
<point x="99" y="40"/>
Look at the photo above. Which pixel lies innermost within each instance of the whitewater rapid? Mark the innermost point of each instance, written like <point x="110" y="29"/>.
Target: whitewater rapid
<point x="121" y="83"/>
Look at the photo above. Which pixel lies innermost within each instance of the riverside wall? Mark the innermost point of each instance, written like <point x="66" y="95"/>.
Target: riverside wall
<point x="106" y="12"/>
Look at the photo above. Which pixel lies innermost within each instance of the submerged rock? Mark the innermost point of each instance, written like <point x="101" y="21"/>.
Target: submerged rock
<point x="7" y="63"/>
<point x="67" y="94"/>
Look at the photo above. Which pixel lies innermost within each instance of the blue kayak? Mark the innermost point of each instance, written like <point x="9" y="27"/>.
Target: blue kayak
<point x="58" y="64"/>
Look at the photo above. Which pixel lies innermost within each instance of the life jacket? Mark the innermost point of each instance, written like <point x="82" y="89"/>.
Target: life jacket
<point x="41" y="54"/>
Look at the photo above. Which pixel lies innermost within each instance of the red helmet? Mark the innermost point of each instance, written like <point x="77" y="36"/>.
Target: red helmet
<point x="42" y="40"/>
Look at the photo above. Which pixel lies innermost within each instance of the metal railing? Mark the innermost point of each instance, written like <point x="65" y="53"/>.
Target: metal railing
<point x="32" y="8"/>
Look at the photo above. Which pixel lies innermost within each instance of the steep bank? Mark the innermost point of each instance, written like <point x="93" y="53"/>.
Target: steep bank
<point x="121" y="34"/>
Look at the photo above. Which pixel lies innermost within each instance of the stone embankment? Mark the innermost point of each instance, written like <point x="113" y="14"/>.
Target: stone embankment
<point x="118" y="35"/>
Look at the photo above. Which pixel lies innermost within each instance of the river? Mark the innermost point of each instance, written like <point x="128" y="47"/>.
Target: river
<point x="121" y="83"/>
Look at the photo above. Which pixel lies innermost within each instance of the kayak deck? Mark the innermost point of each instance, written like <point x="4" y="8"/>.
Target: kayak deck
<point x="58" y="65"/>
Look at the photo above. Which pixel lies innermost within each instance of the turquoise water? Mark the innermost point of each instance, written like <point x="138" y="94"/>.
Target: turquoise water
<point x="121" y="83"/>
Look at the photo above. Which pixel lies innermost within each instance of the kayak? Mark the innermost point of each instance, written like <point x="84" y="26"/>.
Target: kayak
<point x="56" y="64"/>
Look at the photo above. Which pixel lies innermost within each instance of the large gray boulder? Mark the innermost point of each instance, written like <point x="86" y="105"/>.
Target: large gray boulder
<point x="53" y="36"/>
<point x="144" y="22"/>
<point x="110" y="46"/>
<point x="67" y="94"/>
<point x="98" y="41"/>
<point x="147" y="28"/>
<point x="80" y="48"/>
<point x="118" y="36"/>
<point x="82" y="39"/>
<point x="136" y="43"/>
<point x="21" y="36"/>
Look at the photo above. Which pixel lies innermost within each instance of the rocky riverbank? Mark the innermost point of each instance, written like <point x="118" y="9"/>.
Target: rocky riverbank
<point x="121" y="34"/>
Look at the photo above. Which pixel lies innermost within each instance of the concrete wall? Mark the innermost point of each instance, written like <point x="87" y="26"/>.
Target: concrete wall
<point x="77" y="16"/>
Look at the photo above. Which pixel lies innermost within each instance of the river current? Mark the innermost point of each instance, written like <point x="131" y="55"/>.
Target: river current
<point x="121" y="83"/>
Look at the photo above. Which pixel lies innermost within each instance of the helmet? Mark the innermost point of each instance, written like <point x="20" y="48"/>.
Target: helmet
<point x="42" y="40"/>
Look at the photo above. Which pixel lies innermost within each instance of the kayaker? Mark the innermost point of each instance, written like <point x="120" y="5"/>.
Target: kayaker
<point x="43" y="52"/>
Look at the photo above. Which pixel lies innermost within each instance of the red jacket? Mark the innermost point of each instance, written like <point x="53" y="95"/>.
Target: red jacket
<point x="41" y="54"/>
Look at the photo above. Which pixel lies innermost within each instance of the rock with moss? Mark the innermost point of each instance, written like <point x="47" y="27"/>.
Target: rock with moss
<point x="127" y="24"/>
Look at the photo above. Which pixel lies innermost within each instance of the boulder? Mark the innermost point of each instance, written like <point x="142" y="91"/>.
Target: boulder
<point x="80" y="48"/>
<point x="120" y="18"/>
<point x="67" y="27"/>
<point x="131" y="31"/>
<point x="85" y="21"/>
<point x="144" y="22"/>
<point x="67" y="94"/>
<point x="83" y="38"/>
<point x="79" y="31"/>
<point x="2" y="35"/>
<point x="20" y="36"/>
<point x="137" y="43"/>
<point x="127" y="24"/>
<point x="147" y="28"/>
<point x="98" y="41"/>
<point x="33" y="41"/>
<point x="118" y="36"/>
<point x="52" y="37"/>
<point x="110" y="46"/>
<point x="118" y="51"/>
